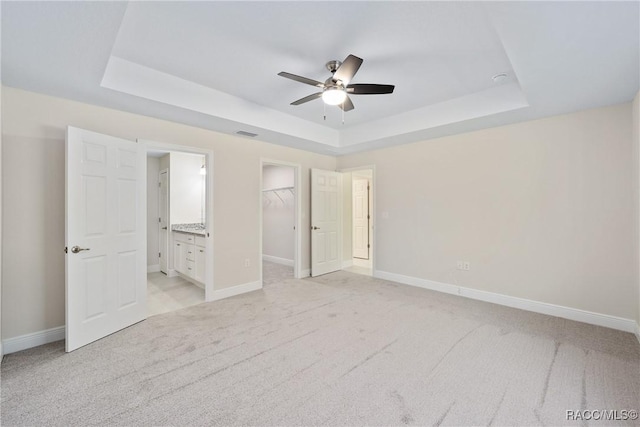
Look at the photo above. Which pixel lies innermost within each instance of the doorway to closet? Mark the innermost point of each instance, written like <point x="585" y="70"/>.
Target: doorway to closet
<point x="280" y="234"/>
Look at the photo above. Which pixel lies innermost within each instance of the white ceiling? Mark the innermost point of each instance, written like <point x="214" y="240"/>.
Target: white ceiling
<point x="215" y="64"/>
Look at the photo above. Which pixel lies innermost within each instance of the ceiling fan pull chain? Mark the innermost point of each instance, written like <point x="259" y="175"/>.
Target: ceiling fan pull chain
<point x="324" y="110"/>
<point x="342" y="112"/>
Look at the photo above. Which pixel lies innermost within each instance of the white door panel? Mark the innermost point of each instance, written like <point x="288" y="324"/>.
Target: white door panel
<point x="163" y="213"/>
<point x="326" y="221"/>
<point x="361" y="218"/>
<point x="105" y="217"/>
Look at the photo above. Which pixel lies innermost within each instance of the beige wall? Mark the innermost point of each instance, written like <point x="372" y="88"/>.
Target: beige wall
<point x="636" y="144"/>
<point x="33" y="199"/>
<point x="542" y="210"/>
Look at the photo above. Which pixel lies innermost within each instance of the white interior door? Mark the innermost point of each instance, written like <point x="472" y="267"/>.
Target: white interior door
<point x="163" y="214"/>
<point x="326" y="221"/>
<point x="361" y="218"/>
<point x="105" y="236"/>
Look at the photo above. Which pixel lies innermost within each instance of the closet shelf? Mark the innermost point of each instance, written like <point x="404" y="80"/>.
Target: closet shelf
<point x="275" y="191"/>
<point x="278" y="189"/>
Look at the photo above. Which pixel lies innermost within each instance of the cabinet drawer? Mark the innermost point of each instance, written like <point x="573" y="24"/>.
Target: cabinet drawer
<point x="200" y="241"/>
<point x="190" y="253"/>
<point x="191" y="268"/>
<point x="184" y="237"/>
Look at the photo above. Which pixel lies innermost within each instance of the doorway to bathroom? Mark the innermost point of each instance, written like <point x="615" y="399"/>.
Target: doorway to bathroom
<point x="179" y="228"/>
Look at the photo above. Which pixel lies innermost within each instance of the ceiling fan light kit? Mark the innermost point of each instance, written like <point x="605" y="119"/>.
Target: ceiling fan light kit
<point x="334" y="96"/>
<point x="336" y="89"/>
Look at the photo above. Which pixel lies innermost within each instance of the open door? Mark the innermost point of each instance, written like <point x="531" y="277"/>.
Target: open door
<point x="163" y="223"/>
<point x="105" y="236"/>
<point x="326" y="221"/>
<point x="361" y="218"/>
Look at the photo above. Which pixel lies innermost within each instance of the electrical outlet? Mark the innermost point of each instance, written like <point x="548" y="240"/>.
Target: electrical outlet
<point x="247" y="262"/>
<point x="466" y="266"/>
<point x="460" y="265"/>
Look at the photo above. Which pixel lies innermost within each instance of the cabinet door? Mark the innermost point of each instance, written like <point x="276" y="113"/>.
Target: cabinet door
<point x="201" y="261"/>
<point x="178" y="256"/>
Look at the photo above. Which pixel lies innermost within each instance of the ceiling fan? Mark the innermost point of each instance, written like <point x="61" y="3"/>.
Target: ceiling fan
<point x="336" y="89"/>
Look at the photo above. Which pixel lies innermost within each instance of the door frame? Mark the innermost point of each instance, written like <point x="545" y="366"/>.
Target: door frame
<point x="374" y="221"/>
<point x="209" y="285"/>
<point x="297" y="235"/>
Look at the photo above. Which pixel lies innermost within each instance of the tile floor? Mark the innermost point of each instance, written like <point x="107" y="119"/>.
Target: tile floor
<point x="165" y="294"/>
<point x="359" y="270"/>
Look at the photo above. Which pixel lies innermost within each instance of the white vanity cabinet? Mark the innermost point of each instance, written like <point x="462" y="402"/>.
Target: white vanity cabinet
<point x="189" y="255"/>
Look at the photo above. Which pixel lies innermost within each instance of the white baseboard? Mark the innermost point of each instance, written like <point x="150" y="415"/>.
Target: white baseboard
<point x="235" y="290"/>
<point x="23" y="342"/>
<point x="153" y="268"/>
<point x="172" y="273"/>
<point x="638" y="332"/>
<point x="578" y="315"/>
<point x="347" y="264"/>
<point x="277" y="260"/>
<point x="305" y="273"/>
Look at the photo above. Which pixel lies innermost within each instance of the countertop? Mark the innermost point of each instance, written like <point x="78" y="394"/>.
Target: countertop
<point x="190" y="228"/>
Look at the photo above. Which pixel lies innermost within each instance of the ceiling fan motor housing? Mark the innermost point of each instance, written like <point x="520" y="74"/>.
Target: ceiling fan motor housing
<point x="333" y="65"/>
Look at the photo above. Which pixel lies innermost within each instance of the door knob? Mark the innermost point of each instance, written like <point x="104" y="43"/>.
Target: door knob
<point x="76" y="249"/>
<point x="315" y="228"/>
<point x="164" y="228"/>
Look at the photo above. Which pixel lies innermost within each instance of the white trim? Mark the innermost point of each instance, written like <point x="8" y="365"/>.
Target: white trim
<point x="172" y="273"/>
<point x="347" y="264"/>
<point x="278" y="260"/>
<point x="23" y="342"/>
<point x="236" y="290"/>
<point x="578" y="315"/>
<point x="305" y="273"/>
<point x="638" y="332"/>
<point x="153" y="268"/>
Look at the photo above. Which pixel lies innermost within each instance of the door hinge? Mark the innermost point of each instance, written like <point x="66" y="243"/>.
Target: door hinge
<point x="159" y="254"/>
<point x="368" y="216"/>
<point x="159" y="219"/>
<point x="159" y="184"/>
<point x="65" y="250"/>
<point x="368" y="188"/>
<point x="368" y="246"/>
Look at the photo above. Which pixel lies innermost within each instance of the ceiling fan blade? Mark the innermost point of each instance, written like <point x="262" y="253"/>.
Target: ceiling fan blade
<point x="307" y="98"/>
<point x="301" y="79"/>
<point x="369" y="89"/>
<point x="348" y="69"/>
<point x="347" y="105"/>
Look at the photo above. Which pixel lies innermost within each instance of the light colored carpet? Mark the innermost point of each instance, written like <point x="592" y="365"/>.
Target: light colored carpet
<point x="341" y="349"/>
<point x="274" y="273"/>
